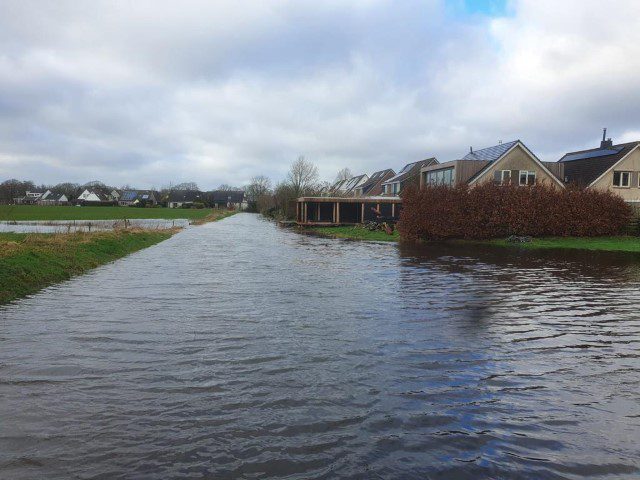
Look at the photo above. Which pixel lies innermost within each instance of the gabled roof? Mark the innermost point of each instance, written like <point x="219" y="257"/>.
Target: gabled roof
<point x="353" y="182"/>
<point x="129" y="195"/>
<point x="487" y="155"/>
<point x="184" y="196"/>
<point x="490" y="153"/>
<point x="375" y="182"/>
<point x="410" y="170"/>
<point x="227" y="196"/>
<point x="585" y="166"/>
<point x="337" y="186"/>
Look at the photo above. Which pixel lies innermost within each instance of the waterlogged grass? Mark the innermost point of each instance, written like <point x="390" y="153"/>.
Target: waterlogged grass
<point x="355" y="233"/>
<point x="609" y="244"/>
<point x="41" y="212"/>
<point x="29" y="262"/>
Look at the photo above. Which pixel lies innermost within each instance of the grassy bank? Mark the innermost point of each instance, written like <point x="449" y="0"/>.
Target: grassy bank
<point x="354" y="233"/>
<point x="29" y="262"/>
<point x="40" y="212"/>
<point x="609" y="244"/>
<point x="214" y="216"/>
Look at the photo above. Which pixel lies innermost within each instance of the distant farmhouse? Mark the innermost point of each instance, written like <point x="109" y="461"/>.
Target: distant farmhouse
<point x="46" y="197"/>
<point x="184" y="198"/>
<point x="233" y="199"/>
<point x="98" y="196"/>
<point x="133" y="198"/>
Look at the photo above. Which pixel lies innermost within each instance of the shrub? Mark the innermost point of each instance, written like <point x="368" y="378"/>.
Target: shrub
<point x="492" y="211"/>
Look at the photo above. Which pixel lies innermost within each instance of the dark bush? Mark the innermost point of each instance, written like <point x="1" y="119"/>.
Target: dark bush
<point x="492" y="211"/>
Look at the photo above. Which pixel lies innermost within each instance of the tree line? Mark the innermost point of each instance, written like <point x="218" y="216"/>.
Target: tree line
<point x="262" y="195"/>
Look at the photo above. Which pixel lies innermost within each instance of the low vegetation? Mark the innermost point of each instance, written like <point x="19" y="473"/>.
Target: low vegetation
<point x="29" y="262"/>
<point x="40" y="212"/>
<point x="491" y="211"/>
<point x="610" y="244"/>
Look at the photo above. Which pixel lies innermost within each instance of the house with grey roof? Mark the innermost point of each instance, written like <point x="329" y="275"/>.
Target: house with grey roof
<point x="347" y="187"/>
<point x="410" y="174"/>
<point x="609" y="167"/>
<point x="132" y="198"/>
<point x="509" y="163"/>
<point x="373" y="186"/>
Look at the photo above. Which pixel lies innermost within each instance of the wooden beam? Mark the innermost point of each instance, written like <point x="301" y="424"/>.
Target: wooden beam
<point x="337" y="212"/>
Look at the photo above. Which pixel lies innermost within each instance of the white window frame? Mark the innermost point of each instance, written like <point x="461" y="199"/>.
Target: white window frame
<point x="526" y="181"/>
<point x="622" y="185"/>
<point x="502" y="172"/>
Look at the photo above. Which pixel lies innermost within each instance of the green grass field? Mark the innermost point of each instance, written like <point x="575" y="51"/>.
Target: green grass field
<point x="29" y="262"/>
<point x="355" y="233"/>
<point x="610" y="244"/>
<point x="39" y="212"/>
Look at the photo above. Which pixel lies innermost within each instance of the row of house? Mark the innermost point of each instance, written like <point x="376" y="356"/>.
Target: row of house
<point x="138" y="198"/>
<point x="607" y="167"/>
<point x="383" y="182"/>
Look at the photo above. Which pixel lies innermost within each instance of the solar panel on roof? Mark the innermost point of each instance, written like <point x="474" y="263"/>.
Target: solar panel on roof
<point x="601" y="152"/>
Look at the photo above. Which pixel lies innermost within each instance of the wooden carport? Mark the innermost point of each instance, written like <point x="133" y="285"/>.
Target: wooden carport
<point x="345" y="210"/>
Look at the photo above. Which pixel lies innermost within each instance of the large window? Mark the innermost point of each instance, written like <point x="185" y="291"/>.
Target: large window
<point x="527" y="178"/>
<point x="439" y="177"/>
<point x="622" y="179"/>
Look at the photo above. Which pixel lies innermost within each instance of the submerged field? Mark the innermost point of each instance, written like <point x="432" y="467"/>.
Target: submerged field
<point x="29" y="262"/>
<point x="610" y="244"/>
<point x="39" y="212"/>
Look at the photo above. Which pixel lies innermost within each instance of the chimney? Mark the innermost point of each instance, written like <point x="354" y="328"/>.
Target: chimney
<point x="606" y="142"/>
<point x="470" y="149"/>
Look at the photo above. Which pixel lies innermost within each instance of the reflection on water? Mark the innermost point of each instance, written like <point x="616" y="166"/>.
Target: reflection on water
<point x="240" y="350"/>
<point x="73" y="226"/>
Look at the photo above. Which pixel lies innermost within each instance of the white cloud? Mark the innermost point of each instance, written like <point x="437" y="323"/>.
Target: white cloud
<point x="150" y="92"/>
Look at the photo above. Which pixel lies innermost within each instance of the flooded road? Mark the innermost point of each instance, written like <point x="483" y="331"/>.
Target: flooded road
<point x="240" y="350"/>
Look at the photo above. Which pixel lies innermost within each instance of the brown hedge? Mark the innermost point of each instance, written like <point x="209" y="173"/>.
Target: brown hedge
<point x="493" y="211"/>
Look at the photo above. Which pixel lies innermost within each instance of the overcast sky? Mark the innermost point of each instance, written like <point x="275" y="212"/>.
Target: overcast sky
<point x="148" y="92"/>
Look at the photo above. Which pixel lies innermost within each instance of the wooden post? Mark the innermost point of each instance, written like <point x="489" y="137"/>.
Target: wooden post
<point x="333" y="213"/>
<point x="362" y="213"/>
<point x="297" y="211"/>
<point x="337" y="212"/>
<point x="393" y="210"/>
<point x="318" y="211"/>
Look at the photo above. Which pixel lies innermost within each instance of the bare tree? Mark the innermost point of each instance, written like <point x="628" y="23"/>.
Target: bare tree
<point x="344" y="174"/>
<point x="260" y="185"/>
<point x="191" y="186"/>
<point x="302" y="177"/>
<point x="228" y="188"/>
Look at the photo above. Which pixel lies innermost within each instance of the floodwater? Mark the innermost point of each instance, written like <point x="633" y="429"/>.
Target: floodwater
<point x="241" y="350"/>
<point x="69" y="226"/>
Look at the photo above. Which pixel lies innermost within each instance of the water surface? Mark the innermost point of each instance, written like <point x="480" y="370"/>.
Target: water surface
<point x="71" y="226"/>
<point x="240" y="350"/>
